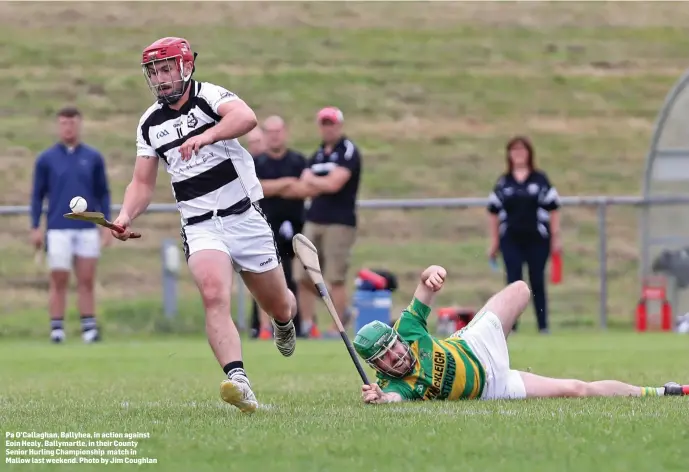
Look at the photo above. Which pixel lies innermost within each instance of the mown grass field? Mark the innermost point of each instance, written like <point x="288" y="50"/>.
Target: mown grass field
<point x="431" y="92"/>
<point x="312" y="418"/>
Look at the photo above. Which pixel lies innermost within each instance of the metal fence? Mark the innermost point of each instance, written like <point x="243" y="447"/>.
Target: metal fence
<point x="601" y="203"/>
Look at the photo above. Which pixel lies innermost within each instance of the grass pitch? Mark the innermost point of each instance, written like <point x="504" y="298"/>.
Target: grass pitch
<point x="431" y="92"/>
<point x="312" y="418"/>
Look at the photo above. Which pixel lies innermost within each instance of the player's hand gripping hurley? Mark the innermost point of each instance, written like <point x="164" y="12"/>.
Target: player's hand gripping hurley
<point x="99" y="219"/>
<point x="308" y="255"/>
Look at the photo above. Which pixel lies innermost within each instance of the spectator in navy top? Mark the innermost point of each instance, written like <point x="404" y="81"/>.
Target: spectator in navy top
<point x="524" y="222"/>
<point x="333" y="175"/>
<point x="66" y="170"/>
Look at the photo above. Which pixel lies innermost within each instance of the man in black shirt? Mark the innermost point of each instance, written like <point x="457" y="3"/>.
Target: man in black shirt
<point x="332" y="177"/>
<point x="279" y="169"/>
<point x="256" y="145"/>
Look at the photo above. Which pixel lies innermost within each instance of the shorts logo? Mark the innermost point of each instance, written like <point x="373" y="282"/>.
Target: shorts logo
<point x="270" y="259"/>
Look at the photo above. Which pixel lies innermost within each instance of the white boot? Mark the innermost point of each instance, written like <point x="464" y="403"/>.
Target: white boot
<point x="237" y="391"/>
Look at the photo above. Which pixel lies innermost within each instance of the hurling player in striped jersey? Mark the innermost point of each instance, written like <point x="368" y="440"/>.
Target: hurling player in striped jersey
<point x="192" y="127"/>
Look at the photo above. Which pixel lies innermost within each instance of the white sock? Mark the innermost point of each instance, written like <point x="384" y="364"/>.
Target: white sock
<point x="238" y="375"/>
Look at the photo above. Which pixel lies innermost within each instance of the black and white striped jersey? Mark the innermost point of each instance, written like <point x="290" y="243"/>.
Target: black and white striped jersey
<point x="523" y="208"/>
<point x="221" y="175"/>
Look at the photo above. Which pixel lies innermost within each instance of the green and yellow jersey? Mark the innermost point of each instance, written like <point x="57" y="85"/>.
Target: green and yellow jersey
<point x="445" y="369"/>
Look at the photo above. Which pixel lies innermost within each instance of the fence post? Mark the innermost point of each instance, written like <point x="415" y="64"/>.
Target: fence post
<point x="603" y="264"/>
<point x="169" y="253"/>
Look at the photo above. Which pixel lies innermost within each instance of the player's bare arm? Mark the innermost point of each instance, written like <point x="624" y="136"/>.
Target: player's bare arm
<point x="373" y="394"/>
<point x="237" y="120"/>
<point x="138" y="194"/>
<point x="432" y="280"/>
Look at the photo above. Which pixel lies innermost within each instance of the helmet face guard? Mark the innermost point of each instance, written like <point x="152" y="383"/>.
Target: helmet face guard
<point x="165" y="78"/>
<point x="163" y="67"/>
<point x="375" y="343"/>
<point x="395" y="364"/>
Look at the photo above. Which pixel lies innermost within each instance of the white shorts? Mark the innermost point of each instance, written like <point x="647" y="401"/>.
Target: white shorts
<point x="485" y="337"/>
<point x="247" y="238"/>
<point x="64" y="244"/>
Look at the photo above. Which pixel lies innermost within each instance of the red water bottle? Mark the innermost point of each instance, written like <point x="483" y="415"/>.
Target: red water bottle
<point x="377" y="280"/>
<point x="556" y="268"/>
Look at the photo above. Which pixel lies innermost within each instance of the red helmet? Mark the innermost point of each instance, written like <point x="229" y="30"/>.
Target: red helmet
<point x="163" y="66"/>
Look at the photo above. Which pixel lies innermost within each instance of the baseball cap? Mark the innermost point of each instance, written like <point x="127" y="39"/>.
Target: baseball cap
<point x="331" y="114"/>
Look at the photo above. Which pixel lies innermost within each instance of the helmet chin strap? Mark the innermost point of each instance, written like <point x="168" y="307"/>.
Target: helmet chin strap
<point x="187" y="81"/>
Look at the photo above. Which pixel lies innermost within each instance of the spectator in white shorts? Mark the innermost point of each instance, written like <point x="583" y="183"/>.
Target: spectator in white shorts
<point x="68" y="169"/>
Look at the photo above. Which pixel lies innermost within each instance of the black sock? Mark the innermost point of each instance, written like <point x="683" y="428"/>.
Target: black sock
<point x="233" y="368"/>
<point x="282" y="323"/>
<point x="56" y="324"/>
<point x="88" y="322"/>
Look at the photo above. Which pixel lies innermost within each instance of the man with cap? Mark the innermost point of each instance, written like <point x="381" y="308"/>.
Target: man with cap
<point x="333" y="176"/>
<point x="473" y="363"/>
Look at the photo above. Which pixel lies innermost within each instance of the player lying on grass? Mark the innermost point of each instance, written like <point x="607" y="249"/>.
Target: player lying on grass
<point x="473" y="363"/>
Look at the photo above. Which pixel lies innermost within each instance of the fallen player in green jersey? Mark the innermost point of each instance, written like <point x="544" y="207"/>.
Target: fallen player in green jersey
<point x="473" y="363"/>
